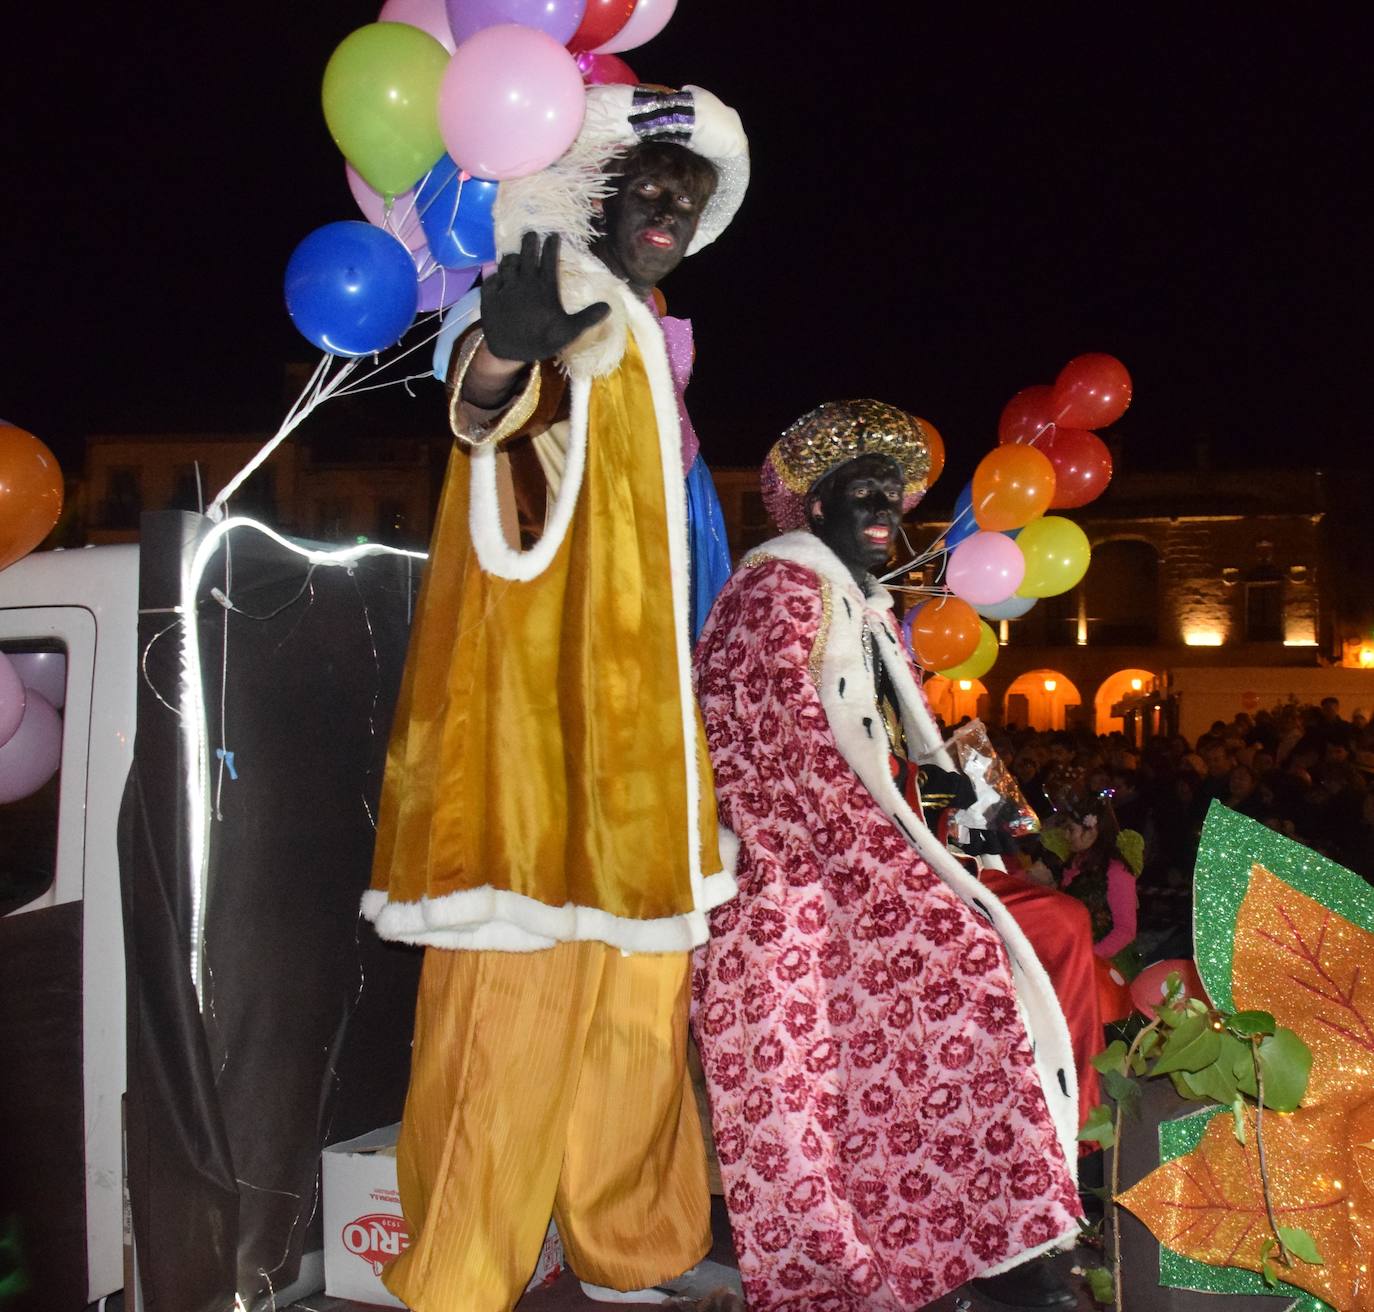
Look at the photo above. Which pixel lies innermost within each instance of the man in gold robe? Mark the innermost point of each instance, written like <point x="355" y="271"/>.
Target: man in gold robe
<point x="547" y="829"/>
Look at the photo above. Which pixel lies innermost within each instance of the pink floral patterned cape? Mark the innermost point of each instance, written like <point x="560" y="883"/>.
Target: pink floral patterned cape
<point x="881" y="1122"/>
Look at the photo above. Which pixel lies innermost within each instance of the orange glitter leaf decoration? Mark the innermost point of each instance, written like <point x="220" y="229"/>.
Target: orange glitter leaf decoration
<point x="1314" y="971"/>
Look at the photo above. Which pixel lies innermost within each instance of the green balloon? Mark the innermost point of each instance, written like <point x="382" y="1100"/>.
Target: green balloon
<point x="1056" y="552"/>
<point x="380" y="95"/>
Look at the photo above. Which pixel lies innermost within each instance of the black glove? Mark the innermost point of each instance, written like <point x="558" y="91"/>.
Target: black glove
<point x="522" y="316"/>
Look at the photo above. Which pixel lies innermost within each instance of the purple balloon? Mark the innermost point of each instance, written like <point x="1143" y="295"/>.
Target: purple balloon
<point x="403" y="221"/>
<point x="11" y="699"/>
<point x="985" y="568"/>
<point x="444" y="286"/>
<point x="558" y="18"/>
<point x="45" y="672"/>
<point x="32" y="756"/>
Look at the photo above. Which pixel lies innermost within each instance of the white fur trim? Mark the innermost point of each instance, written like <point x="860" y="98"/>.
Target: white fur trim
<point x="494" y="552"/>
<point x="649" y="337"/>
<point x="845" y="688"/>
<point x="495" y="919"/>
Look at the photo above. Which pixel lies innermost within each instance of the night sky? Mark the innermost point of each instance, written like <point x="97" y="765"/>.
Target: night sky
<point x="948" y="202"/>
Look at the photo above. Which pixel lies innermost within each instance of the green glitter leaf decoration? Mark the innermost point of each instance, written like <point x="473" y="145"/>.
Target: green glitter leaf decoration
<point x="1231" y="844"/>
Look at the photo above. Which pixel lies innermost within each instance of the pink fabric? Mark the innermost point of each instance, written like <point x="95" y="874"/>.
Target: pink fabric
<point x="881" y="1132"/>
<point x="677" y="336"/>
<point x="1121" y="902"/>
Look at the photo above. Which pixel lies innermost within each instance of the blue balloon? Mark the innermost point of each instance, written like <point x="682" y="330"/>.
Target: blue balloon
<point x="455" y="213"/>
<point x="962" y="524"/>
<point x="351" y="288"/>
<point x="1011" y="609"/>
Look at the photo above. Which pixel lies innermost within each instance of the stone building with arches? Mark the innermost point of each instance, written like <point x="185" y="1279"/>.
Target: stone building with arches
<point x="1209" y="592"/>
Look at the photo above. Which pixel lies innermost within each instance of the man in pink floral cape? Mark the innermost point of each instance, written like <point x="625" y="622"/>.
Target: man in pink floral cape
<point x="886" y="1124"/>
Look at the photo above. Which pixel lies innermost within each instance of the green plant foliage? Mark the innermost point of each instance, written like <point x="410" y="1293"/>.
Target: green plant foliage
<point x="1194" y="1043"/>
<point x="1301" y="1244"/>
<point x="1248" y="1023"/>
<point x="1099" y="1128"/>
<point x="1113" y="1058"/>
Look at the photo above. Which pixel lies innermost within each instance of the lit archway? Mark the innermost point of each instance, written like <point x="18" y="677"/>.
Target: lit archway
<point x="1116" y="688"/>
<point x="954" y="699"/>
<point x="1042" y="699"/>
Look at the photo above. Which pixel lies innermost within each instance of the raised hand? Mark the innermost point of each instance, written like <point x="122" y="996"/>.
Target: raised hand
<point x="522" y="316"/>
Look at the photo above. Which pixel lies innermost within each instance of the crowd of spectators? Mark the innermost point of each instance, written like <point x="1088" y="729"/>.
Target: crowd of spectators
<point x="1304" y="771"/>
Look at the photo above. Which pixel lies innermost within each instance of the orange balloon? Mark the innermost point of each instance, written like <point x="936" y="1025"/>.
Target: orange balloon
<point x="944" y="631"/>
<point x="30" y="493"/>
<point x="1012" y="485"/>
<point x="937" y="451"/>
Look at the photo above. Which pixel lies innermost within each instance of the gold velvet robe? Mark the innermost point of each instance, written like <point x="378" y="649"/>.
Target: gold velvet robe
<point x="547" y="779"/>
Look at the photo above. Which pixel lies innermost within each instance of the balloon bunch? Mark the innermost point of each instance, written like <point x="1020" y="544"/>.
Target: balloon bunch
<point x="1002" y="551"/>
<point x="432" y="106"/>
<point x="33" y="686"/>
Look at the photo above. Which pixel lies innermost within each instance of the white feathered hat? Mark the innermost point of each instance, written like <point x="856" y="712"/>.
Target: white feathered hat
<point x="562" y="197"/>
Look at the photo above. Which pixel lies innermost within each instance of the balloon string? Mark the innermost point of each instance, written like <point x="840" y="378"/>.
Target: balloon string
<point x="937" y="547"/>
<point x="318" y="390"/>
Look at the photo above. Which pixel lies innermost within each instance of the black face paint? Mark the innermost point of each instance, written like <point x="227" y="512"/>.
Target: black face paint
<point x="652" y="216"/>
<point x="856" y="509"/>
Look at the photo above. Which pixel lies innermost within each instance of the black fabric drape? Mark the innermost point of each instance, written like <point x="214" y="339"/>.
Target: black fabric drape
<point x="42" y="1173"/>
<point x="303" y="1033"/>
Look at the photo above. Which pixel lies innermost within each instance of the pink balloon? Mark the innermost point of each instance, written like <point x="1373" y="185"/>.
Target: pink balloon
<point x="404" y="219"/>
<point x="11" y="699"/>
<point x="648" y="20"/>
<point x="44" y="672"/>
<point x="985" y="568"/>
<point x="428" y="15"/>
<point x="444" y="286"/>
<point x="510" y="103"/>
<point x="32" y="755"/>
<point x="605" y="70"/>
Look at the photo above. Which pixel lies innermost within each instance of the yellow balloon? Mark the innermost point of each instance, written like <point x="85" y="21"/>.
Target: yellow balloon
<point x="1057" y="554"/>
<point x="983" y="658"/>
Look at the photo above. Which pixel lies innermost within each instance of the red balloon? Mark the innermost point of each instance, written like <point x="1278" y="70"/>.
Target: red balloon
<point x="605" y="70"/>
<point x="603" y="19"/>
<point x="1026" y="416"/>
<point x="1091" y="391"/>
<point x="1147" y="988"/>
<point x="1082" y="466"/>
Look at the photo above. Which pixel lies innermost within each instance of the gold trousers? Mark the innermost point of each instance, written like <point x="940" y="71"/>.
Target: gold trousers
<point x="541" y="1082"/>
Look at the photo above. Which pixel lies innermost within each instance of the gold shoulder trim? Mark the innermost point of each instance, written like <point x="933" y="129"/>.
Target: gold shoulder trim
<point x="515" y="416"/>
<point x="818" y="643"/>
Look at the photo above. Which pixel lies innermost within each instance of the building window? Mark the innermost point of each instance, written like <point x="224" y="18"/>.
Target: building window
<point x="187" y="492"/>
<point x="331" y="518"/>
<point x="1121" y="595"/>
<point x="391" y="521"/>
<point x="257" y="499"/>
<point x="1264" y="610"/>
<point x="123" y="501"/>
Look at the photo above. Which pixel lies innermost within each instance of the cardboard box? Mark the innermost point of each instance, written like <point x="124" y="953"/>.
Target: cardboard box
<point x="363" y="1226"/>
